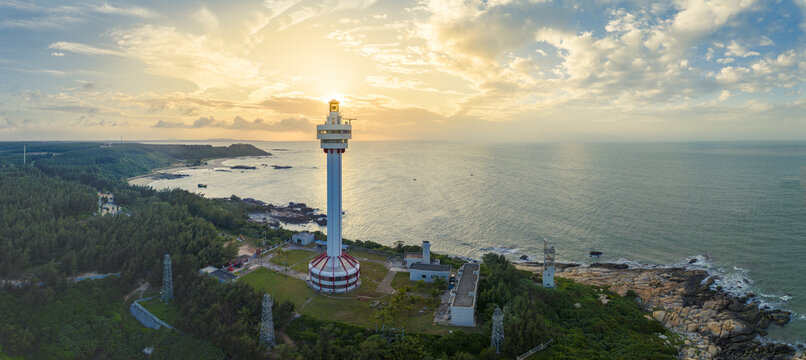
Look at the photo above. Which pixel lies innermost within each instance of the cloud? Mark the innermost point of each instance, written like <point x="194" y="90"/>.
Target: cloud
<point x="83" y="49"/>
<point x="294" y="105"/>
<point x="203" y="60"/>
<point x="206" y="18"/>
<point x="56" y="53"/>
<point x="239" y="123"/>
<point x="106" y="8"/>
<point x="32" y="16"/>
<point x="734" y="49"/>
<point x="41" y="23"/>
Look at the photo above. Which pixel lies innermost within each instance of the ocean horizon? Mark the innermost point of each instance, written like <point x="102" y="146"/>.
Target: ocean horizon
<point x="736" y="209"/>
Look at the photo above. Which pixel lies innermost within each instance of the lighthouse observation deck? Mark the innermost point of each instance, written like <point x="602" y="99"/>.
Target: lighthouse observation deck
<point x="335" y="132"/>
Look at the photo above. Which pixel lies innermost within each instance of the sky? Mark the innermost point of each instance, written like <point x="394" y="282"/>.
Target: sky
<point x="495" y="70"/>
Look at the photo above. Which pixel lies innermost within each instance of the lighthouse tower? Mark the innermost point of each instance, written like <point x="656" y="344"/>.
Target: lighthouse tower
<point x="334" y="271"/>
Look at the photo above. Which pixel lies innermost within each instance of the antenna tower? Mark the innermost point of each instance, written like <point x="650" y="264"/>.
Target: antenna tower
<point x="391" y="334"/>
<point x="267" y="323"/>
<point x="23" y="154"/>
<point x="167" y="280"/>
<point x="497" y="337"/>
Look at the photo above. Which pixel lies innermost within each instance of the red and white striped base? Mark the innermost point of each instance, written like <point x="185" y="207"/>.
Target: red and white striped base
<point x="334" y="274"/>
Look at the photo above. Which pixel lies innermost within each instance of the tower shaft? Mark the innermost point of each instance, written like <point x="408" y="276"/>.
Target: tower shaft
<point x="334" y="202"/>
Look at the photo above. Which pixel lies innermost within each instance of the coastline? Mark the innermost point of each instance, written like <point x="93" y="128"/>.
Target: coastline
<point x="711" y="323"/>
<point x="145" y="179"/>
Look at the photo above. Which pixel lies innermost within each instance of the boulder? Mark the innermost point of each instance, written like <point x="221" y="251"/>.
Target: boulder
<point x="780" y="317"/>
<point x="659" y="315"/>
<point x="609" y="266"/>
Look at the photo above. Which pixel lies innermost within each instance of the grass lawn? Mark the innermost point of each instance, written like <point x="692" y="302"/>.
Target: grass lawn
<point x="351" y="311"/>
<point x="301" y="267"/>
<point x="294" y="257"/>
<point x="373" y="271"/>
<point x="420" y="320"/>
<point x="359" y="254"/>
<point x="401" y="279"/>
<point x="279" y="286"/>
<point x="166" y="312"/>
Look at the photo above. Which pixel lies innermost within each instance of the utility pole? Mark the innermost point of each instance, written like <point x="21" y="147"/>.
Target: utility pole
<point x="23" y="154"/>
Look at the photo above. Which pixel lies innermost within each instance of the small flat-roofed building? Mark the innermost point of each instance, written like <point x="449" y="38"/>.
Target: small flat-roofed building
<point x="429" y="272"/>
<point x="412" y="258"/>
<point x="303" y="238"/>
<point x="220" y="275"/>
<point x="463" y="297"/>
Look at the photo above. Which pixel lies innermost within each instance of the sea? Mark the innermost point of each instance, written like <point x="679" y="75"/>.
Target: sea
<point x="737" y="209"/>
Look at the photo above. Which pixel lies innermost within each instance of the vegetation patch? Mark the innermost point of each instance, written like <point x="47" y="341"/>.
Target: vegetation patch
<point x="88" y="320"/>
<point x="616" y="330"/>
<point x="166" y="312"/>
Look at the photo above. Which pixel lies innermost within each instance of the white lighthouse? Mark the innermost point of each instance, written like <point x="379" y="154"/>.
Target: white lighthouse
<point x="334" y="271"/>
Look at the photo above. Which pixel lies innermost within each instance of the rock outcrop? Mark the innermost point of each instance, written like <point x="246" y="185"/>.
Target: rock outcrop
<point x="712" y="323"/>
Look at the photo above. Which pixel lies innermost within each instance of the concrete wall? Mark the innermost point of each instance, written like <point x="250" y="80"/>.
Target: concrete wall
<point x="417" y="275"/>
<point x="411" y="261"/>
<point x="145" y="317"/>
<point x="462" y="316"/>
<point x="548" y="277"/>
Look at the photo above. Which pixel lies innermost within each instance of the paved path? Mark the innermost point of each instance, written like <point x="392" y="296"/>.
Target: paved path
<point x="386" y="284"/>
<point x="283" y="270"/>
<point x="442" y="315"/>
<point x="306" y="302"/>
<point x="144" y="285"/>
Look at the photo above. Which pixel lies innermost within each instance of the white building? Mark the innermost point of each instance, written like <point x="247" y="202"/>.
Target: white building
<point x="303" y="238"/>
<point x="334" y="271"/>
<point x="463" y="297"/>
<point x="429" y="272"/>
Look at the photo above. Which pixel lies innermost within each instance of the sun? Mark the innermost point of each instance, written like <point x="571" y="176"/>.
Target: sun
<point x="336" y="96"/>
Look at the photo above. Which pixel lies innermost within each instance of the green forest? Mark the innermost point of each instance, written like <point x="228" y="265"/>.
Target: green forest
<point x="50" y="232"/>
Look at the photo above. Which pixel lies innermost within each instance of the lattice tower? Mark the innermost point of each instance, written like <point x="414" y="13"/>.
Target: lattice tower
<point x="497" y="337"/>
<point x="167" y="291"/>
<point x="267" y="323"/>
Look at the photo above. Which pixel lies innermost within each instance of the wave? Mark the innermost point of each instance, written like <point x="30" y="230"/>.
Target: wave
<point x="504" y="251"/>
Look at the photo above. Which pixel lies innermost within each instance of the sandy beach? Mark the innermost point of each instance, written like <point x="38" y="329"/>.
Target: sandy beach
<point x="144" y="180"/>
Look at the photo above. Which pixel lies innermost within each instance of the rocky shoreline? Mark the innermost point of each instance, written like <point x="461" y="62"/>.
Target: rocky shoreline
<point x="293" y="213"/>
<point x="711" y="323"/>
